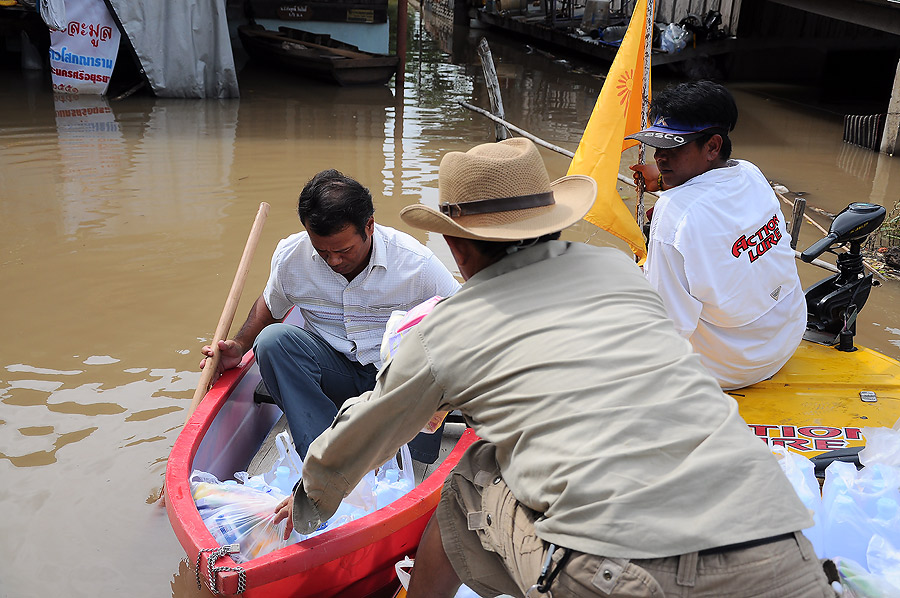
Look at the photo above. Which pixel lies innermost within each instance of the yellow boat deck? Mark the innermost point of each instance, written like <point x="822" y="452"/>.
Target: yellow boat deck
<point x="813" y="405"/>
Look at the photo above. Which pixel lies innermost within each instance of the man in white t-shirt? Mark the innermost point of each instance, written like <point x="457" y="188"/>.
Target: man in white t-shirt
<point x="345" y="274"/>
<point x="718" y="252"/>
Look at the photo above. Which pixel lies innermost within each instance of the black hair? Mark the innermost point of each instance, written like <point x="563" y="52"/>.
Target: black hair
<point x="497" y="249"/>
<point x="699" y="103"/>
<point x="330" y="201"/>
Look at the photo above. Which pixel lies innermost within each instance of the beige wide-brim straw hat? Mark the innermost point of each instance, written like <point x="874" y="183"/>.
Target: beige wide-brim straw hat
<point x="502" y="192"/>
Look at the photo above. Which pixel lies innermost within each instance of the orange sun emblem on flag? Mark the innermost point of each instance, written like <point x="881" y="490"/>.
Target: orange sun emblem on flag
<point x="624" y="86"/>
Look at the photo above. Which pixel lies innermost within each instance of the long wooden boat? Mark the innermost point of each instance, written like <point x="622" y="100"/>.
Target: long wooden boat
<point x="356" y="559"/>
<point x="317" y="56"/>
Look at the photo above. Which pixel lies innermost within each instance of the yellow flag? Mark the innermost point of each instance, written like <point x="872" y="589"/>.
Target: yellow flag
<point x="616" y="114"/>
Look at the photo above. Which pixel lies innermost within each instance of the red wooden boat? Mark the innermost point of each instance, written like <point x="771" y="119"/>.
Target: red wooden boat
<point x="356" y="559"/>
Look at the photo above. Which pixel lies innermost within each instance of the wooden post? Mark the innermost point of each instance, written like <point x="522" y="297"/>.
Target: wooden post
<point x="402" y="14"/>
<point x="797" y="220"/>
<point x="493" y="87"/>
<point x="890" y="139"/>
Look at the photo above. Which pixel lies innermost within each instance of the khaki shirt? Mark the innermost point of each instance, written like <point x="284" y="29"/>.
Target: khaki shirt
<point x="604" y="420"/>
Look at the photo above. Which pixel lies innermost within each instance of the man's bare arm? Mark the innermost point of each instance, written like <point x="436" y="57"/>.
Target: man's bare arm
<point x="232" y="351"/>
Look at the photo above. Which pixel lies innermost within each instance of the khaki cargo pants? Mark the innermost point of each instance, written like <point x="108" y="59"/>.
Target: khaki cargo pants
<point x="489" y="538"/>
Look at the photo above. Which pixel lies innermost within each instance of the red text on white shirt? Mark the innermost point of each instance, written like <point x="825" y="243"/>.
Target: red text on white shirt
<point x="759" y="242"/>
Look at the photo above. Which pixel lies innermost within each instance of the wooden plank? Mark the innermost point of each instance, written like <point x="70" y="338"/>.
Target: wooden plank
<point x="267" y="454"/>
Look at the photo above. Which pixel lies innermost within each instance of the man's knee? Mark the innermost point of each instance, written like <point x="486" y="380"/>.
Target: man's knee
<point x="277" y="340"/>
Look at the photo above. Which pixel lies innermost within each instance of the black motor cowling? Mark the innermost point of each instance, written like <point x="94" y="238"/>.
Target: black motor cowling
<point x="833" y="303"/>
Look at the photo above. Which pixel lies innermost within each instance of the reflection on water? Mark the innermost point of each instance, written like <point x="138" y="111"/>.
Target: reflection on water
<point x="122" y="224"/>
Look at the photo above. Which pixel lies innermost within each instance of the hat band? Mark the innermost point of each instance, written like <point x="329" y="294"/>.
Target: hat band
<point x="500" y="204"/>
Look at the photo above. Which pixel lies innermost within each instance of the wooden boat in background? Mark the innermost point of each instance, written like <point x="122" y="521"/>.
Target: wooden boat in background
<point x="317" y="55"/>
<point x="356" y="559"/>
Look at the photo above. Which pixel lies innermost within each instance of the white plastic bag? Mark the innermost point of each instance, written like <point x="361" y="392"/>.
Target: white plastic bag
<point x="882" y="446"/>
<point x="858" y="505"/>
<point x="884" y="561"/>
<point x="399" y="324"/>
<point x="287" y="457"/>
<point x="800" y="471"/>
<point x="403" y="575"/>
<point x="859" y="583"/>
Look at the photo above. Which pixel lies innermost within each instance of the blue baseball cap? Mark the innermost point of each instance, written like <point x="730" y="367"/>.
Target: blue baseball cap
<point x="666" y="133"/>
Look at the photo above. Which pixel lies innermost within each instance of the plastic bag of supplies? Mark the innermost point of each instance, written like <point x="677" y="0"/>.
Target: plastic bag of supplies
<point x="239" y="514"/>
<point x="856" y="582"/>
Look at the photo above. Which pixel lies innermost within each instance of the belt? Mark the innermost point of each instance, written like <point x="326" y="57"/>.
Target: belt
<point x="748" y="544"/>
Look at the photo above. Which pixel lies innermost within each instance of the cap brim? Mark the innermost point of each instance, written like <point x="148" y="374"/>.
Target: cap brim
<point x="665" y="139"/>
<point x="573" y="195"/>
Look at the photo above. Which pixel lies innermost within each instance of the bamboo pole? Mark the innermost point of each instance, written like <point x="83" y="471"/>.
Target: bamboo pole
<point x="569" y="154"/>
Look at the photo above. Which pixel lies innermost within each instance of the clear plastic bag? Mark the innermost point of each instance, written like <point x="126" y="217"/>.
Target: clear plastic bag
<point x="800" y="471"/>
<point x="239" y="514"/>
<point x="674" y="38"/>
<point x="882" y="446"/>
<point x="858" y="505"/>
<point x="403" y="576"/>
<point x="859" y="583"/>
<point x="399" y="324"/>
<point x="884" y="561"/>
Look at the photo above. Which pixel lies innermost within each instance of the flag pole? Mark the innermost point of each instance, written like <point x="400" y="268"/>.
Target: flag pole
<point x="645" y="109"/>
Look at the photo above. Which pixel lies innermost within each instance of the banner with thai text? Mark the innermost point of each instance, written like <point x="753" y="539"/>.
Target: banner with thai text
<point x="93" y="158"/>
<point x="82" y="56"/>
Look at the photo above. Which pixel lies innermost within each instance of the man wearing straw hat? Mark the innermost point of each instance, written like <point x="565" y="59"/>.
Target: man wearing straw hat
<point x="596" y="473"/>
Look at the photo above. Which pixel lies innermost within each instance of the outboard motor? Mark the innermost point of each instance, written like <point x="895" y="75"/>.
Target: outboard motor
<point x="832" y="304"/>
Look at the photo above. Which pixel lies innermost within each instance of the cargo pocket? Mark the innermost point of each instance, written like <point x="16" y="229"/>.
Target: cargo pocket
<point x="488" y="522"/>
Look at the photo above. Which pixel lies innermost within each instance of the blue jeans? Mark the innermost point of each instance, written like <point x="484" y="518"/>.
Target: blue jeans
<point x="309" y="380"/>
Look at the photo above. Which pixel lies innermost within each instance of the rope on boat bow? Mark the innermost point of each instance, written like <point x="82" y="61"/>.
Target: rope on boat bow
<point x="215" y="554"/>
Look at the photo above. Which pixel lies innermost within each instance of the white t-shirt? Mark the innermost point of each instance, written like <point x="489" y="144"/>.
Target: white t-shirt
<point x="720" y="256"/>
<point x="351" y="316"/>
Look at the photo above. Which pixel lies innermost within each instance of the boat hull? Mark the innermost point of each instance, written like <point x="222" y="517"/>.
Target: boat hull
<point x="339" y="66"/>
<point x="813" y="406"/>
<point x="357" y="558"/>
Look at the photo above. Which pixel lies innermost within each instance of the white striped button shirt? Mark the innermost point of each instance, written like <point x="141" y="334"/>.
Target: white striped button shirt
<point x="351" y="316"/>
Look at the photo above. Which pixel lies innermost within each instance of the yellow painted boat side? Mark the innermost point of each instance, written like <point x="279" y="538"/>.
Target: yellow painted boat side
<point x="813" y="404"/>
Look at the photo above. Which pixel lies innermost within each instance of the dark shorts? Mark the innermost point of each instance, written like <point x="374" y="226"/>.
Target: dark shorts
<point x="490" y="540"/>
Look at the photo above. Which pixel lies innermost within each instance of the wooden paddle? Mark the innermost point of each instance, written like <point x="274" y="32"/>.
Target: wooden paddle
<point x="225" y="320"/>
<point x="227" y="317"/>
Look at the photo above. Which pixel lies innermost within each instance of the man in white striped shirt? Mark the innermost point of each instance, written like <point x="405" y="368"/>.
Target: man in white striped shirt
<point x="345" y="274"/>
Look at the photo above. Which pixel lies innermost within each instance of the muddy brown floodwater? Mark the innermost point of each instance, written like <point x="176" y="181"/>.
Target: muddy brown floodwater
<point x="122" y="223"/>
